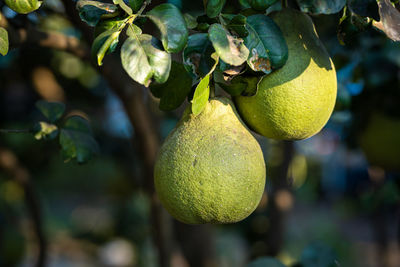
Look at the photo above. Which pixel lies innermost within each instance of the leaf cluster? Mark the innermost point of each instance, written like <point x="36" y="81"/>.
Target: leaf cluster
<point x="73" y="132"/>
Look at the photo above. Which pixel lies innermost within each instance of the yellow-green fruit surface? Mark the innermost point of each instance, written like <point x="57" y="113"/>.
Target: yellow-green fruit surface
<point x="381" y="143"/>
<point x="23" y="6"/>
<point x="210" y="169"/>
<point x="296" y="101"/>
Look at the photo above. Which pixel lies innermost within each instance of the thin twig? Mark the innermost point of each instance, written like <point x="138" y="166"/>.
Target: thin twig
<point x="15" y="131"/>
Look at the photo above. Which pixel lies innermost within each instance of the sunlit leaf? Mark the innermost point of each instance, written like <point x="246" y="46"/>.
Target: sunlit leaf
<point x="172" y="26"/>
<point x="104" y="44"/>
<point x="143" y="59"/>
<point x="133" y="30"/>
<point x="53" y="111"/>
<point x="173" y="92"/>
<point x="123" y="6"/>
<point x="4" y="45"/>
<point x="23" y="6"/>
<point x="268" y="48"/>
<point x="321" y="6"/>
<point x="43" y="130"/>
<point x="201" y="95"/>
<point x="92" y="11"/>
<point x="229" y="48"/>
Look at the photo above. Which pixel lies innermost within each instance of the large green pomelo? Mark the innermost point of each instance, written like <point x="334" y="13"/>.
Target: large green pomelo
<point x="296" y="101"/>
<point x="381" y="143"/>
<point x="210" y="169"/>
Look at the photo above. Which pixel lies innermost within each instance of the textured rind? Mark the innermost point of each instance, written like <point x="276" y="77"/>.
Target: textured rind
<point x="210" y="169"/>
<point x="296" y="101"/>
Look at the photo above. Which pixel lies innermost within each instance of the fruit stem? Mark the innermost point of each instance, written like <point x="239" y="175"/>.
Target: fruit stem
<point x="212" y="88"/>
<point x="284" y="3"/>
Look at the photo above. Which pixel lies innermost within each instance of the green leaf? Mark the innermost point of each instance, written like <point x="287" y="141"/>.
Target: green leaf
<point x="266" y="262"/>
<point x="133" y="30"/>
<point x="92" y="11"/>
<point x="191" y="21"/>
<point x="53" y="111"/>
<point x="390" y="19"/>
<point x="365" y="8"/>
<point x="321" y="6"/>
<point x="44" y="130"/>
<point x="238" y="85"/>
<point x="197" y="55"/>
<point x="123" y="6"/>
<point x="236" y="23"/>
<point x="229" y="48"/>
<point x="3" y="41"/>
<point x="108" y="24"/>
<point x="136" y="4"/>
<point x="245" y="4"/>
<point x="268" y="48"/>
<point x="23" y="6"/>
<point x="172" y="26"/>
<point x="214" y="7"/>
<point x="76" y="140"/>
<point x="201" y="95"/>
<point x="143" y="60"/>
<point x="261" y="5"/>
<point x="175" y="90"/>
<point x="350" y="25"/>
<point x="104" y="44"/>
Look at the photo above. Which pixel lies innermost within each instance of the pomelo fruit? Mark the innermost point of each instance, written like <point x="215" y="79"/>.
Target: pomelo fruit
<point x="296" y="101"/>
<point x="210" y="168"/>
<point x="380" y="141"/>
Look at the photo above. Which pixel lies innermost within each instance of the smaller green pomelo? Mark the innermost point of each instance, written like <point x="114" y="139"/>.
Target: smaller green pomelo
<point x="381" y="143"/>
<point x="210" y="169"/>
<point x="23" y="6"/>
<point x="296" y="101"/>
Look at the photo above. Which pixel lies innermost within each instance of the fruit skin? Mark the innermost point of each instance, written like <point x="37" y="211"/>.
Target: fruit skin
<point x="210" y="169"/>
<point x="296" y="101"/>
<point x="380" y="142"/>
<point x="23" y="6"/>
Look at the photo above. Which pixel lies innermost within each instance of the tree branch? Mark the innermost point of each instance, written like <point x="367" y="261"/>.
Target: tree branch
<point x="10" y="163"/>
<point x="131" y="95"/>
<point x="32" y="36"/>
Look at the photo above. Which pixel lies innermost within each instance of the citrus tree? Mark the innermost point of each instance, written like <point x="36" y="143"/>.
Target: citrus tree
<point x="241" y="65"/>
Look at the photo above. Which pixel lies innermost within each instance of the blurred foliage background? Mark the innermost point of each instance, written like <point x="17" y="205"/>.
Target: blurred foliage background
<point x="331" y="200"/>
